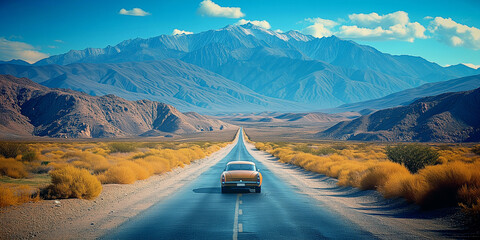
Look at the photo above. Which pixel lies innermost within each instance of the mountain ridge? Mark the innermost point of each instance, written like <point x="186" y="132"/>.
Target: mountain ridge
<point x="448" y="117"/>
<point x="314" y="73"/>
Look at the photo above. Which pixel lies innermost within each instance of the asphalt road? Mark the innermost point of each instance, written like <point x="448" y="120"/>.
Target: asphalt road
<point x="200" y="211"/>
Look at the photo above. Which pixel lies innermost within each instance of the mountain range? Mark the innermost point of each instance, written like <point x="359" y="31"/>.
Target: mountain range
<point x="238" y="68"/>
<point x="27" y="108"/>
<point x="448" y="117"/>
<point x="408" y="96"/>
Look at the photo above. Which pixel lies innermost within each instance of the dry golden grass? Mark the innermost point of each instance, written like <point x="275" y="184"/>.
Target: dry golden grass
<point x="11" y="194"/>
<point x="454" y="181"/>
<point x="76" y="167"/>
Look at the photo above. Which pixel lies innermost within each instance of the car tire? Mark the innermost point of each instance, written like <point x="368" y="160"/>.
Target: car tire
<point x="258" y="189"/>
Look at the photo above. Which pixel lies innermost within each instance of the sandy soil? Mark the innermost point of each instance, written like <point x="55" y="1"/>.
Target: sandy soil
<point x="83" y="219"/>
<point x="384" y="218"/>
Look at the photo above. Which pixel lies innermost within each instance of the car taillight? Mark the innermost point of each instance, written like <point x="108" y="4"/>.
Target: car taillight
<point x="223" y="179"/>
<point x="258" y="179"/>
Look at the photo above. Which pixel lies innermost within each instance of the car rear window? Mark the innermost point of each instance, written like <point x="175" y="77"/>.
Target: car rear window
<point x="232" y="167"/>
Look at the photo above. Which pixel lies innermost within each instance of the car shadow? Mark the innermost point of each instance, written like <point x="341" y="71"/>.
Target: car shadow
<point x="214" y="190"/>
<point x="217" y="190"/>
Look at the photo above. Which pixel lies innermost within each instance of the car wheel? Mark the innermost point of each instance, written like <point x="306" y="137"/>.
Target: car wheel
<point x="258" y="189"/>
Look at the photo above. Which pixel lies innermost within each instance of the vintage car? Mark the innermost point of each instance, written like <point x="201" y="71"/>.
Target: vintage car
<point x="241" y="175"/>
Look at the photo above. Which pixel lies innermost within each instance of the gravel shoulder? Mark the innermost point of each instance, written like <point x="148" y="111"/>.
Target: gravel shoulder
<point x="84" y="219"/>
<point x="384" y="218"/>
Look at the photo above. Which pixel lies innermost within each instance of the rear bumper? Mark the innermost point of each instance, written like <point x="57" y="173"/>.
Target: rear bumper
<point x="238" y="184"/>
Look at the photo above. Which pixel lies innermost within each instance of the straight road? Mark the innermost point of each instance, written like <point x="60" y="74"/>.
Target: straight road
<point x="200" y="211"/>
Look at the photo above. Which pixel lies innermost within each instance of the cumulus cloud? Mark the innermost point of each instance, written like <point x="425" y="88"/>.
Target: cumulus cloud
<point x="19" y="50"/>
<point x="373" y="20"/>
<point x="392" y="26"/>
<point x="372" y="26"/>
<point x="211" y="9"/>
<point x="320" y="28"/>
<point x="471" y="65"/>
<point x="134" y="12"/>
<point x="455" y="34"/>
<point x="263" y="23"/>
<point x="180" y="32"/>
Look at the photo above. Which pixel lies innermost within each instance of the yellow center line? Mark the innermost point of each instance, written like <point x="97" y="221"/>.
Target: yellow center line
<point x="235" y="219"/>
<point x="240" y="227"/>
<point x="240" y="211"/>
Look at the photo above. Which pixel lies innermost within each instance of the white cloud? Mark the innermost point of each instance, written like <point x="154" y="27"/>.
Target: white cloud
<point x="373" y="20"/>
<point x="19" y="50"/>
<point x="180" y="32"/>
<point x="455" y="34"/>
<point x="320" y="28"/>
<point x="58" y="41"/>
<point x="263" y="23"/>
<point x="134" y="12"/>
<point x="278" y="31"/>
<point x="471" y="65"/>
<point x="211" y="9"/>
<point x="393" y="26"/>
<point x="372" y="26"/>
<point x="428" y="18"/>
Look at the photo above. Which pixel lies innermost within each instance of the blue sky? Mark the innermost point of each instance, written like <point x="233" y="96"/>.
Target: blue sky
<point x="445" y="32"/>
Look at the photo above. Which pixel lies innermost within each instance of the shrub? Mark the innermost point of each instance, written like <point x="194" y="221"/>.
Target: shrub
<point x="476" y="149"/>
<point x="376" y="177"/>
<point x="30" y="156"/>
<point x="118" y="174"/>
<point x="7" y="196"/>
<point x="71" y="182"/>
<point x="121" y="147"/>
<point x="11" y="149"/>
<point x="13" y="195"/>
<point x="12" y="168"/>
<point x="444" y="182"/>
<point x="413" y="156"/>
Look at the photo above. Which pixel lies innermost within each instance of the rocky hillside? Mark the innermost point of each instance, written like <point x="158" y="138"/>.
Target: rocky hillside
<point x="27" y="108"/>
<point x="449" y="117"/>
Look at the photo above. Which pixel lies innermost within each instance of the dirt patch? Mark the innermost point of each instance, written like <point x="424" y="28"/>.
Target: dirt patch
<point x="84" y="219"/>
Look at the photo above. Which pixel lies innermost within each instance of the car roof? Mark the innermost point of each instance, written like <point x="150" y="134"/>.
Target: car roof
<point x="241" y="162"/>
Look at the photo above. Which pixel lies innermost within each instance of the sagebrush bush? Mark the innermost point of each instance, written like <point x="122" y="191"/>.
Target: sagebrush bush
<point x="476" y="149"/>
<point x="71" y="182"/>
<point x="12" y="149"/>
<point x="12" y="168"/>
<point x="376" y="177"/>
<point x="14" y="195"/>
<point x="7" y="196"/>
<point x="118" y="174"/>
<point x="444" y="183"/>
<point x="413" y="156"/>
<point x="122" y="147"/>
<point x="30" y="156"/>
